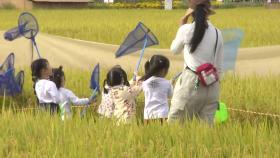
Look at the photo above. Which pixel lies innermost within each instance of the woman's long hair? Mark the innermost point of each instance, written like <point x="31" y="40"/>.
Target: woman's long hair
<point x="200" y="16"/>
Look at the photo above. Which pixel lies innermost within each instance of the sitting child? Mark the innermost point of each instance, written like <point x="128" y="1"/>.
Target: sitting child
<point x="123" y="94"/>
<point x="66" y="96"/>
<point x="157" y="89"/>
<point x="45" y="90"/>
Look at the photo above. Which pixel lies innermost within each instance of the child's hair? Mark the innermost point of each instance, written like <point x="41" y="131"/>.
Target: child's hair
<point x="57" y="76"/>
<point x="36" y="68"/>
<point x="155" y="65"/>
<point x="116" y="76"/>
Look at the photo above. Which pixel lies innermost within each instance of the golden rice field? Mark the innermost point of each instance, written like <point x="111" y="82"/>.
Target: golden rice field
<point x="261" y="26"/>
<point x="29" y="133"/>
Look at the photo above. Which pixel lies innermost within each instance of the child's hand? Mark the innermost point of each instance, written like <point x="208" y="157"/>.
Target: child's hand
<point x="136" y="81"/>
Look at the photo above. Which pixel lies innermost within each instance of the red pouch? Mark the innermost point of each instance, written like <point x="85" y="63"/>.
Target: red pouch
<point x="207" y="74"/>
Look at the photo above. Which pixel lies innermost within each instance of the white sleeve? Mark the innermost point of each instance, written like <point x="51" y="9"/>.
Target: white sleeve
<point x="75" y="100"/>
<point x="52" y="90"/>
<point x="178" y="43"/>
<point x="220" y="56"/>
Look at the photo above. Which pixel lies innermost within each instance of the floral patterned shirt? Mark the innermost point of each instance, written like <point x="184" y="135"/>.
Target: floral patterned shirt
<point x="106" y="108"/>
<point x="124" y="101"/>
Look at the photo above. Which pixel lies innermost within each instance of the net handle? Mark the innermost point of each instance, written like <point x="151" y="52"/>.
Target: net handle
<point x="141" y="57"/>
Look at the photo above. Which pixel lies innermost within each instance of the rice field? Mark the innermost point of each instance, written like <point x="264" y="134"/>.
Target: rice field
<point x="37" y="135"/>
<point x="33" y="134"/>
<point x="261" y="26"/>
<point x="30" y="133"/>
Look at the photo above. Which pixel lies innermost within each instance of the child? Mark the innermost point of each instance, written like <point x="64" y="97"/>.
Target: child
<point x="66" y="96"/>
<point x="157" y="89"/>
<point x="45" y="90"/>
<point x="107" y="107"/>
<point x="123" y="94"/>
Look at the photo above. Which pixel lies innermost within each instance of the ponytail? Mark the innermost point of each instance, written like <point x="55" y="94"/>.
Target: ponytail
<point x="200" y="17"/>
<point x="155" y="66"/>
<point x="116" y="76"/>
<point x="57" y="76"/>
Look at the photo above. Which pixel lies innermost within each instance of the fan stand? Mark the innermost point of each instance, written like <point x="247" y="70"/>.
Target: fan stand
<point x="32" y="50"/>
<point x="33" y="43"/>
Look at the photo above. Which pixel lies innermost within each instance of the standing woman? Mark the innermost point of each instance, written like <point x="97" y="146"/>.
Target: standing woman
<point x="202" y="45"/>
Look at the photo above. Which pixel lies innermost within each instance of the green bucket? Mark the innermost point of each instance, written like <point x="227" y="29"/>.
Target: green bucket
<point x="221" y="115"/>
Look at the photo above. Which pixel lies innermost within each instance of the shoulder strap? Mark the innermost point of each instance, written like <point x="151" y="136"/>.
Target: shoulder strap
<point x="216" y="46"/>
<point x="216" y="42"/>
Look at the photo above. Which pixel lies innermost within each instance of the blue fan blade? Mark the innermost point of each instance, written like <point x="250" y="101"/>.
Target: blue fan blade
<point x="12" y="34"/>
<point x="232" y="40"/>
<point x="31" y="27"/>
<point x="95" y="77"/>
<point x="10" y="84"/>
<point x="136" y="39"/>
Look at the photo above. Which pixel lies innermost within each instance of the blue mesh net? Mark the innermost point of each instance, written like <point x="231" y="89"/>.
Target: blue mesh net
<point x="95" y="77"/>
<point x="135" y="40"/>
<point x="12" y="34"/>
<point x="232" y="40"/>
<point x="10" y="84"/>
<point x="28" y="25"/>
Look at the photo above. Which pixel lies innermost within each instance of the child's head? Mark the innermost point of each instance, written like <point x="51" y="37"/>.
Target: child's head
<point x="115" y="77"/>
<point x="157" y="66"/>
<point x="41" y="69"/>
<point x="58" y="77"/>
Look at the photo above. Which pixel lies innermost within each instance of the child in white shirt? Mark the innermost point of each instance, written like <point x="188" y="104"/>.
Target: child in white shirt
<point x="66" y="96"/>
<point x="45" y="90"/>
<point x="157" y="89"/>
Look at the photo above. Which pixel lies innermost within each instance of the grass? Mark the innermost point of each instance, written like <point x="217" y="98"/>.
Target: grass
<point x="259" y="24"/>
<point x="38" y="135"/>
<point x="34" y="134"/>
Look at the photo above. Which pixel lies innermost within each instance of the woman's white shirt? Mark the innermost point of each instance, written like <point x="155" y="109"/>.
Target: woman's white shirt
<point x="205" y="50"/>
<point x="46" y="91"/>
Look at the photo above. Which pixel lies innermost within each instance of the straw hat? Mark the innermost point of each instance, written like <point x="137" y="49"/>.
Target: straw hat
<point x="194" y="3"/>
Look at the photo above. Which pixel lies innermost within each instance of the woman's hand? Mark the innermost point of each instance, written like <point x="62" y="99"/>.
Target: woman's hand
<point x="185" y="18"/>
